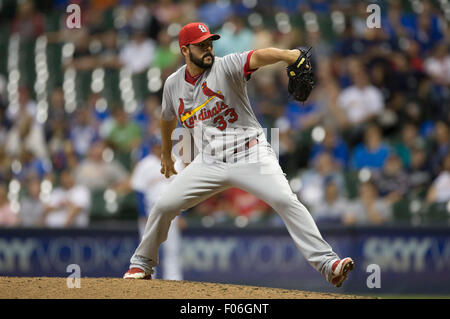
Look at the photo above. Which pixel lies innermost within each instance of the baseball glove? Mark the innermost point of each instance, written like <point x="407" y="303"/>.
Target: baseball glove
<point x="301" y="76"/>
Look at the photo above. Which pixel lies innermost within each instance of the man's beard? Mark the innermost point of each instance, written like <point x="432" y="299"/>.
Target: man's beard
<point x="199" y="62"/>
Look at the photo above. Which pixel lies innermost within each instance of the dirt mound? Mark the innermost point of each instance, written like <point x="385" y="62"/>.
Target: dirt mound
<point x="116" y="288"/>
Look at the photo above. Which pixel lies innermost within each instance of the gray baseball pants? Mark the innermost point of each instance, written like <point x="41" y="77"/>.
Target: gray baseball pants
<point x="261" y="176"/>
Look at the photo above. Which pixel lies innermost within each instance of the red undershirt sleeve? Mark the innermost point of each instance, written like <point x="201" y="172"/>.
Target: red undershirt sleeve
<point x="247" y="70"/>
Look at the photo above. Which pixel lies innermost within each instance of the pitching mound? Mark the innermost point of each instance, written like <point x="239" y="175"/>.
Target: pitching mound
<point x="116" y="288"/>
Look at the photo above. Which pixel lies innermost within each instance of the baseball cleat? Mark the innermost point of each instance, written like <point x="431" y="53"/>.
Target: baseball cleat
<point x="340" y="270"/>
<point x="136" y="273"/>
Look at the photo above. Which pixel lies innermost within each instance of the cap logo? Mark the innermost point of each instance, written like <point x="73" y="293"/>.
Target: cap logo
<point x="202" y="28"/>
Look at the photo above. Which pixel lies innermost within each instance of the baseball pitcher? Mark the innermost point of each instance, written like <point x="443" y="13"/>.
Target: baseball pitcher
<point x="208" y="95"/>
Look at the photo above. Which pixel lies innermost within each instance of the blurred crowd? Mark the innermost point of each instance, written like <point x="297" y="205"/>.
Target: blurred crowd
<point x="371" y="145"/>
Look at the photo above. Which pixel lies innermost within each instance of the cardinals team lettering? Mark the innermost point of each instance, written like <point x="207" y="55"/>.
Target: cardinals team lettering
<point x="207" y="114"/>
<point x="190" y="118"/>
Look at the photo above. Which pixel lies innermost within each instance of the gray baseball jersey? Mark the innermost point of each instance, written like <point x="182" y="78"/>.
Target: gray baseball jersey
<point x="216" y="109"/>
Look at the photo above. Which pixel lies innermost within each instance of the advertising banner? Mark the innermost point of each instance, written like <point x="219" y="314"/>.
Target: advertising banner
<point x="388" y="260"/>
<point x="48" y="252"/>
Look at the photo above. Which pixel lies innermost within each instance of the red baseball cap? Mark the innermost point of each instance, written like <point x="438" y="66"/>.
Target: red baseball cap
<point x="195" y="32"/>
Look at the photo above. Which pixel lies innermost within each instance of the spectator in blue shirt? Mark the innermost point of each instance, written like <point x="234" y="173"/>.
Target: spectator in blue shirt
<point x="440" y="145"/>
<point x="214" y="13"/>
<point x="32" y="166"/>
<point x="149" y="111"/>
<point x="427" y="31"/>
<point x="373" y="152"/>
<point x="332" y="144"/>
<point x="302" y="117"/>
<point x="234" y="37"/>
<point x="83" y="132"/>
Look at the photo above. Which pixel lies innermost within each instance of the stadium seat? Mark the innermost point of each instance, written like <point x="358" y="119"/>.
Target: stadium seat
<point x="437" y="213"/>
<point x="56" y="76"/>
<point x="27" y="66"/>
<point x="111" y="90"/>
<point x="326" y="27"/>
<point x="351" y="183"/>
<point x="83" y="85"/>
<point x="4" y="40"/>
<point x="98" y="207"/>
<point x="140" y="85"/>
<point x="401" y="210"/>
<point x="128" y="209"/>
